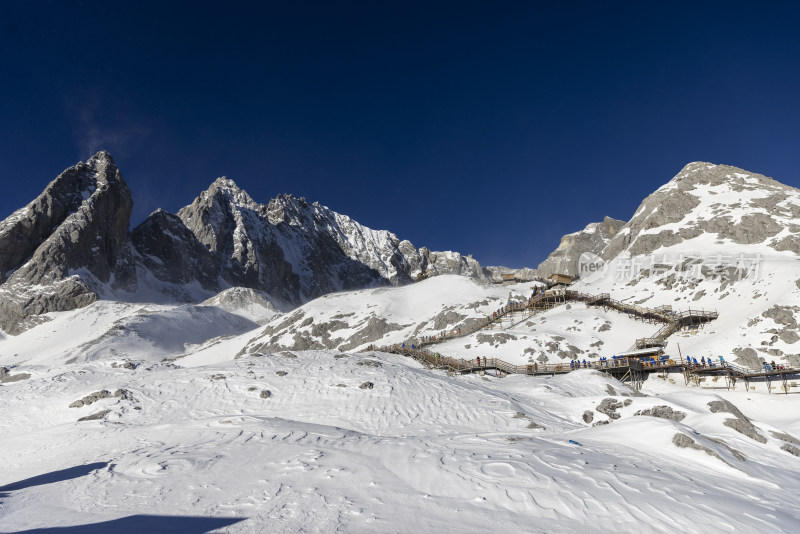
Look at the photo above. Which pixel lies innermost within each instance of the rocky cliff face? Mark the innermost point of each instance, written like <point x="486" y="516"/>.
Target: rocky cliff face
<point x="289" y="248"/>
<point x="719" y="238"/>
<point x="594" y="238"/>
<point x="71" y="245"/>
<point x="734" y="206"/>
<point x="57" y="252"/>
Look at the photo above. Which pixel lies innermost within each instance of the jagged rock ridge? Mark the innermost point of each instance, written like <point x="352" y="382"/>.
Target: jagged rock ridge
<point x="57" y="252"/>
<point x="289" y="248"/>
<point x="71" y="245"/>
<point x="739" y="207"/>
<point x="594" y="238"/>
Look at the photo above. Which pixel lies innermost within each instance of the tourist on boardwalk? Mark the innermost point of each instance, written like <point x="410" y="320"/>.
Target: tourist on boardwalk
<point x="479" y="361"/>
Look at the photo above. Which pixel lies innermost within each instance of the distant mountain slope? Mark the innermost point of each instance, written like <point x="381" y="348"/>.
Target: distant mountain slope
<point x="71" y="246"/>
<point x="291" y="249"/>
<point x="715" y="237"/>
<point x="735" y="206"/>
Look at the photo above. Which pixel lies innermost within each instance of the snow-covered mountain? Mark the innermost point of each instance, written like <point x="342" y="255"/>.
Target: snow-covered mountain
<point x="71" y="246"/>
<point x="259" y="410"/>
<point x="715" y="237"/>
<point x="59" y="251"/>
<point x="326" y="441"/>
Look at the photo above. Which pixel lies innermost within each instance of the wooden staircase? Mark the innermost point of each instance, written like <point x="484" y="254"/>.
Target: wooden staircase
<point x="547" y="300"/>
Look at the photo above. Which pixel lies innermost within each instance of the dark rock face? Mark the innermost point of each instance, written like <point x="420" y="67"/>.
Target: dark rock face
<point x="72" y="245"/>
<point x="665" y="412"/>
<point x="293" y="250"/>
<point x="609" y="407"/>
<point x="7" y="377"/>
<point x="171" y="252"/>
<point x="594" y="238"/>
<point x="67" y="243"/>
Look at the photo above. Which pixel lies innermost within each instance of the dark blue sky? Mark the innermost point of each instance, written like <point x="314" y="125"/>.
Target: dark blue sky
<point x="487" y="128"/>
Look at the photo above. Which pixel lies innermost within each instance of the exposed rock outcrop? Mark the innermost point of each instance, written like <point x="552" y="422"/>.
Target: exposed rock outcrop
<point x="71" y="245"/>
<point x="664" y="412"/>
<point x="7" y="377"/>
<point x="741" y="424"/>
<point x="609" y="407"/>
<point x="760" y="220"/>
<point x="61" y="250"/>
<point x="594" y="238"/>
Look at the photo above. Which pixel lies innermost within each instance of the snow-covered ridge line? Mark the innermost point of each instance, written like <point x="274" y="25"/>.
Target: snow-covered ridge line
<point x="288" y="249"/>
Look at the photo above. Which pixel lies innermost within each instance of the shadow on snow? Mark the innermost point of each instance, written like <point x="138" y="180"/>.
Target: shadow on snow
<point x="151" y="524"/>
<point x="134" y="524"/>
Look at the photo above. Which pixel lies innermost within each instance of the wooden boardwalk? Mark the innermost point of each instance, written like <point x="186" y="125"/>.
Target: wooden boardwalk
<point x="549" y="299"/>
<point x="628" y="368"/>
<point x="733" y="373"/>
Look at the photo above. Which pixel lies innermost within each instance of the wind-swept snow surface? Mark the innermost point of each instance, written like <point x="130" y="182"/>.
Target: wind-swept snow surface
<point x="243" y="415"/>
<point x="321" y="441"/>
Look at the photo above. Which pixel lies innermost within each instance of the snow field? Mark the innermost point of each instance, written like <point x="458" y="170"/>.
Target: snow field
<point x="419" y="451"/>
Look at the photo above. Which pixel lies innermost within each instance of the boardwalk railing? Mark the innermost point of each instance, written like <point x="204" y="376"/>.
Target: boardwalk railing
<point x="631" y="368"/>
<point x="461" y="365"/>
<point x="549" y="299"/>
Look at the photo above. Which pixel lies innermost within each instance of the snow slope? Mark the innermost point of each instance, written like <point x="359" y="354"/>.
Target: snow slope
<point x="236" y="415"/>
<point x="380" y="317"/>
<point x="419" y="451"/>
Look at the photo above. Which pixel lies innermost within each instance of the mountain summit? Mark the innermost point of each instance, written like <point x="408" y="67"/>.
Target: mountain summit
<point x="71" y="245"/>
<point x="58" y="251"/>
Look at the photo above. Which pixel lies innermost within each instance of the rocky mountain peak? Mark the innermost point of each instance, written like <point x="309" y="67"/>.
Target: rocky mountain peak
<point x="101" y="159"/>
<point x="225" y="191"/>
<point x="719" y="203"/>
<point x="66" y="243"/>
<point x="594" y="238"/>
<point x="287" y="208"/>
<point x="703" y="173"/>
<point x="72" y="245"/>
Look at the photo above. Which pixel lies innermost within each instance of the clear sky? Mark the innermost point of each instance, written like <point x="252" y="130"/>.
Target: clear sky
<point x="490" y="128"/>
